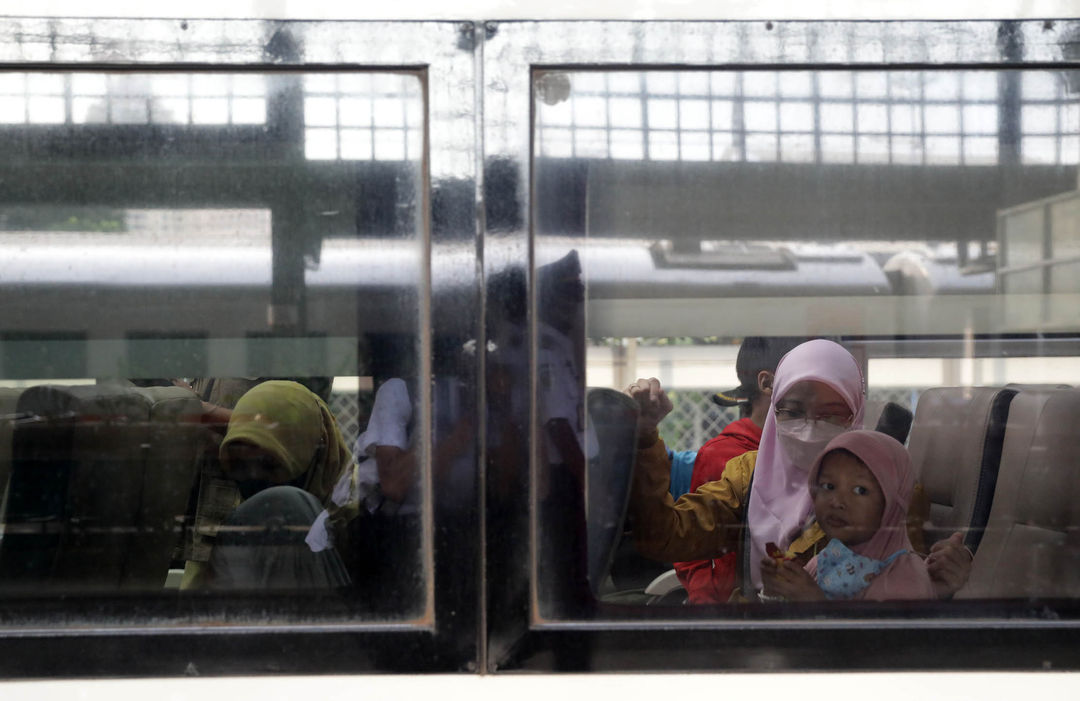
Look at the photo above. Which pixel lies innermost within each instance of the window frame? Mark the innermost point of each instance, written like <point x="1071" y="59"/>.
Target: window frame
<point x="1037" y="634"/>
<point x="208" y="634"/>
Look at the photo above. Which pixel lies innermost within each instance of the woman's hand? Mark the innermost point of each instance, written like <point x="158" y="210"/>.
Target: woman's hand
<point x="949" y="565"/>
<point x="653" y="403"/>
<point x="785" y="578"/>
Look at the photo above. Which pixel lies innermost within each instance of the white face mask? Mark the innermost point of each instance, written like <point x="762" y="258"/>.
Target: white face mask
<point x="802" y="441"/>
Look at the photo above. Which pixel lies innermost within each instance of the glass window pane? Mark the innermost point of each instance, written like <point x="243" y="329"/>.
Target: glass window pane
<point x="12" y="109"/>
<point x="693" y="114"/>
<point x="835" y="84"/>
<point x="759" y="116"/>
<point x="796" y="116"/>
<point x="837" y="117"/>
<point x="45" y="110"/>
<point x="898" y="213"/>
<point x="590" y="111"/>
<point x="664" y="145"/>
<point x="694" y="146"/>
<point x="872" y="117"/>
<point x="763" y="84"/>
<point x="223" y="256"/>
<point x="663" y="114"/>
<point x="625" y="112"/>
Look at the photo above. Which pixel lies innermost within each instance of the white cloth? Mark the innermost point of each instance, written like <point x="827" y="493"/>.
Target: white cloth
<point x="387" y="426"/>
<point x="389" y="420"/>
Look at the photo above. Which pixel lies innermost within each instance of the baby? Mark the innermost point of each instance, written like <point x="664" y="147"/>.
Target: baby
<point x="861" y="485"/>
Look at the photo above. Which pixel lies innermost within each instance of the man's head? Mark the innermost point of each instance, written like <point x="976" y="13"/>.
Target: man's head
<point x="562" y="294"/>
<point x="755" y="366"/>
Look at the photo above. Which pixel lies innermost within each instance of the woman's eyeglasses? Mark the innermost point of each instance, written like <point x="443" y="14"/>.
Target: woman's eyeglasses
<point x="843" y="420"/>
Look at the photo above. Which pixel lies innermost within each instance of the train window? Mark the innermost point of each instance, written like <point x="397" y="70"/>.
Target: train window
<point x="923" y="219"/>
<point x="289" y="384"/>
<point x="213" y="283"/>
<point x="905" y="208"/>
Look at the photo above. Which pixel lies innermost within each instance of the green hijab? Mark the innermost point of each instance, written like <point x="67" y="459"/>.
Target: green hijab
<point x="291" y="423"/>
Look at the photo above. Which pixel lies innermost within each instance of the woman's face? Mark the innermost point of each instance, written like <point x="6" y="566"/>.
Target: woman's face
<point x="815" y="401"/>
<point x="249" y="462"/>
<point x="848" y="501"/>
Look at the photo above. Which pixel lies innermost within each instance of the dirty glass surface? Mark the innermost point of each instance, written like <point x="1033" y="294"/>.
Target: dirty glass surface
<point x="178" y="245"/>
<point x="926" y="220"/>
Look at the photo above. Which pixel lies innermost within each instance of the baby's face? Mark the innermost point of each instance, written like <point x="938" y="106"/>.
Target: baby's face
<point x="848" y="501"/>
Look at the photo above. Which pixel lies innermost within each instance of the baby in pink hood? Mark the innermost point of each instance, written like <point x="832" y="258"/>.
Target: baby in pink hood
<point x="861" y="485"/>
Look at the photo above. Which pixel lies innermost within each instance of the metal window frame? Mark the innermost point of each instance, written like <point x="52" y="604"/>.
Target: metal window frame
<point x="478" y="83"/>
<point x="940" y="635"/>
<point x="221" y="634"/>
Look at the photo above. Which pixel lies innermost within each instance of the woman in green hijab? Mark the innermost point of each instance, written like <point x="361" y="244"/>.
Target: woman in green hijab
<point x="284" y="452"/>
<point x="280" y="432"/>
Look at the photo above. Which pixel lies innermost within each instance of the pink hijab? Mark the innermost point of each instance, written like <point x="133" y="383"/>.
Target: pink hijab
<point x="906" y="577"/>
<point x="780" y="505"/>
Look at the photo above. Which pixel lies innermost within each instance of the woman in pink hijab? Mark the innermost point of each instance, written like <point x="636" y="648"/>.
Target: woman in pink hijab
<point x="861" y="486"/>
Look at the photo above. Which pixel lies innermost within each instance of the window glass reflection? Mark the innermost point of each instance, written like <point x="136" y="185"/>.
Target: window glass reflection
<point x="921" y="225"/>
<point x="208" y="377"/>
<point x="941" y="119"/>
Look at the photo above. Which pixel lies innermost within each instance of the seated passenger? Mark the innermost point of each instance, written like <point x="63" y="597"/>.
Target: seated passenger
<point x="373" y="518"/>
<point x="861" y="488"/>
<point x="817" y="395"/>
<point x="279" y="434"/>
<point x="713" y="581"/>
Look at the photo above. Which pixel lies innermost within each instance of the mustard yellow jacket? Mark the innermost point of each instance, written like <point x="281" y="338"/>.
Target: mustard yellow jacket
<point x="700" y="525"/>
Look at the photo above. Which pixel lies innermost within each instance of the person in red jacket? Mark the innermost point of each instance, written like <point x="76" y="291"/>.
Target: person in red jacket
<point x="712" y="581"/>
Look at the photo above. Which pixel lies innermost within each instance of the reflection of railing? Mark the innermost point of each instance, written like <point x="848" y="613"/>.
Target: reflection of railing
<point x="346" y="408"/>
<point x="1038" y="252"/>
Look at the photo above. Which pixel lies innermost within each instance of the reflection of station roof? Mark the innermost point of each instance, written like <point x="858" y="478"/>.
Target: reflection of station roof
<point x="223" y="254"/>
<point x="642" y="269"/>
<point x="209" y="259"/>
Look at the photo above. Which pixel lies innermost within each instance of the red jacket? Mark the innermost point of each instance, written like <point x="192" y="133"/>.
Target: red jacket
<point x="712" y="581"/>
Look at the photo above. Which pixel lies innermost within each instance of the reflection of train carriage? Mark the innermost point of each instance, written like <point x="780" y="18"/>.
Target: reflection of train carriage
<point x="250" y="199"/>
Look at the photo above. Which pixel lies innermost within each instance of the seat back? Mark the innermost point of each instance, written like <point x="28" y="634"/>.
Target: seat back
<point x="9" y="401"/>
<point x="87" y="506"/>
<point x="889" y="418"/>
<point x="955" y="447"/>
<point x="613" y="424"/>
<point x="1031" y="546"/>
<point x="175" y="438"/>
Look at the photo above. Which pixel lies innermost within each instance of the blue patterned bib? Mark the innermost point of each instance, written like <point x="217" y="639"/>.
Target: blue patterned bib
<point x="843" y="573"/>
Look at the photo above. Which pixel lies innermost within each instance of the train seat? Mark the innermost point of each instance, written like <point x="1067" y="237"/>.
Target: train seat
<point x="177" y="438"/>
<point x="613" y="418"/>
<point x="99" y="474"/>
<point x="9" y="400"/>
<point x="955" y="445"/>
<point x="1031" y="545"/>
<point x="889" y="418"/>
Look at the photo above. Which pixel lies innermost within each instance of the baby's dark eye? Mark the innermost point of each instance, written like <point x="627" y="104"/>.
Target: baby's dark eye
<point x="825" y="486"/>
<point x="861" y="491"/>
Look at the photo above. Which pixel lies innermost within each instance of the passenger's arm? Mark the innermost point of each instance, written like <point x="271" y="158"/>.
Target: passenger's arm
<point x="700" y="525"/>
<point x="397" y="471"/>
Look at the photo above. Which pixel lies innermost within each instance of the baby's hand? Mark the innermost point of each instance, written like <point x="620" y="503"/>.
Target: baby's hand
<point x="786" y="579"/>
<point x="773" y="551"/>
